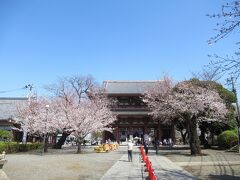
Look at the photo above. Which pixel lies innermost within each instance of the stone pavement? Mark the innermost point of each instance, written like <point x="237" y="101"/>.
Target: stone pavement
<point x="164" y="168"/>
<point x="3" y="175"/>
<point x="125" y="170"/>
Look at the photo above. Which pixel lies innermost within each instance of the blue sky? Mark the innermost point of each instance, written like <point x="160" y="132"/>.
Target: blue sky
<point x="41" y="40"/>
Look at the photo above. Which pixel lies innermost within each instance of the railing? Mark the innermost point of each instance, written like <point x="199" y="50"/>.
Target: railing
<point x="151" y="174"/>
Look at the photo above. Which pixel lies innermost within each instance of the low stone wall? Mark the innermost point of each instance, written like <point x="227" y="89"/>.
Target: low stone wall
<point x="3" y="176"/>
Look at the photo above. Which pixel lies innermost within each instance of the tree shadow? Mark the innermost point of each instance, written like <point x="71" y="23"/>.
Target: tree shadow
<point x="223" y="177"/>
<point x="123" y="160"/>
<point x="171" y="174"/>
<point x="178" y="152"/>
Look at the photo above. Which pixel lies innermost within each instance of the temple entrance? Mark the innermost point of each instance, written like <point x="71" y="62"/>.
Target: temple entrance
<point x="166" y="133"/>
<point x="123" y="134"/>
<point x="135" y="133"/>
<point x="127" y="133"/>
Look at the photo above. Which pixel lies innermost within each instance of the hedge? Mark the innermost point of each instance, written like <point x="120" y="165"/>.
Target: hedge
<point x="227" y="139"/>
<point x="5" y="135"/>
<point x="13" y="147"/>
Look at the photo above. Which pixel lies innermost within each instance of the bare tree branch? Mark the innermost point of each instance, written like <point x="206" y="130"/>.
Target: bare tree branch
<point x="229" y="22"/>
<point x="208" y="73"/>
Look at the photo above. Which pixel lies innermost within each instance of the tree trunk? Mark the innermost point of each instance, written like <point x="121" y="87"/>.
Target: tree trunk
<point x="184" y="135"/>
<point x="212" y="138"/>
<point x="24" y="139"/>
<point x="212" y="134"/>
<point x="193" y="136"/>
<point x="203" y="140"/>
<point x="79" y="142"/>
<point x="61" y="141"/>
<point x="45" y="148"/>
<point x="202" y="136"/>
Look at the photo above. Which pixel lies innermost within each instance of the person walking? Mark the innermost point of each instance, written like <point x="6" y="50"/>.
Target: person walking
<point x="130" y="149"/>
<point x="145" y="148"/>
<point x="156" y="145"/>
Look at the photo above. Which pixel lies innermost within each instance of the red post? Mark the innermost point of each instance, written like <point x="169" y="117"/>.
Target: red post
<point x="150" y="172"/>
<point x="147" y="163"/>
<point x="144" y="157"/>
<point x="154" y="177"/>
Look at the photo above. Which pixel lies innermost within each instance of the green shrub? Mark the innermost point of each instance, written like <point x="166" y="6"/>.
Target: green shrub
<point x="5" y="135"/>
<point x="227" y="139"/>
<point x="2" y="147"/>
<point x="13" y="147"/>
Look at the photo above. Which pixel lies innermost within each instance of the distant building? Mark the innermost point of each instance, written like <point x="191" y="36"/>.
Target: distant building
<point x="9" y="114"/>
<point x="133" y="119"/>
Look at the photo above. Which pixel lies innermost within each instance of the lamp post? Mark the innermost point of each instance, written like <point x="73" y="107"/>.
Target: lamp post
<point x="237" y="112"/>
<point x="236" y="106"/>
<point x="45" y="128"/>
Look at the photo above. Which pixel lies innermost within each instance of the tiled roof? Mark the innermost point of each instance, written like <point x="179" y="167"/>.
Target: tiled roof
<point x="8" y="107"/>
<point x="127" y="87"/>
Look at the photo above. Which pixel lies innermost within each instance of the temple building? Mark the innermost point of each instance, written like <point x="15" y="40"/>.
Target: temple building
<point x="133" y="119"/>
<point x="9" y="115"/>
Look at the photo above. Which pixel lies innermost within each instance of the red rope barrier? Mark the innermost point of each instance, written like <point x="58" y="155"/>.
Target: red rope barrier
<point x="150" y="170"/>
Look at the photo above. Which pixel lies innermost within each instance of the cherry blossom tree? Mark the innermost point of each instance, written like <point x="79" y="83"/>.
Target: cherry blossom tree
<point x="194" y="102"/>
<point x="68" y="90"/>
<point x="187" y="101"/>
<point x="79" y="118"/>
<point x="37" y="117"/>
<point x="90" y="116"/>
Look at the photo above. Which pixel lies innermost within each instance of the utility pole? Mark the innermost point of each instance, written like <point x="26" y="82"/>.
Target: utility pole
<point x="45" y="131"/>
<point x="30" y="87"/>
<point x="237" y="111"/>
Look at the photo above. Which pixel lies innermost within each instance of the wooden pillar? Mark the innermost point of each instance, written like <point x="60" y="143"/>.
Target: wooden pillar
<point x="145" y="128"/>
<point x="129" y="131"/>
<point x="173" y="134"/>
<point x="117" y="134"/>
<point x="158" y="131"/>
<point x="114" y="133"/>
<point x="50" y="139"/>
<point x="104" y="137"/>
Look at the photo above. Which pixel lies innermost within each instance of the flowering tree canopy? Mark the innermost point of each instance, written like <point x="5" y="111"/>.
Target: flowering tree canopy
<point x="159" y="98"/>
<point x="186" y="101"/>
<point x="68" y="111"/>
<point x="69" y="91"/>
<point x="89" y="116"/>
<point x="189" y="98"/>
<point x="36" y="116"/>
<point x="168" y="101"/>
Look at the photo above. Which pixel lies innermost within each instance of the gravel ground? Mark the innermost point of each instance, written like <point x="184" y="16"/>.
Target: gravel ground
<point x="60" y="164"/>
<point x="213" y="164"/>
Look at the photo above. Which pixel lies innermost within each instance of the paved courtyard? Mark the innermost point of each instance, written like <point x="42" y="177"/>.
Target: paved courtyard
<point x="169" y="164"/>
<point x="60" y="165"/>
<point x="213" y="164"/>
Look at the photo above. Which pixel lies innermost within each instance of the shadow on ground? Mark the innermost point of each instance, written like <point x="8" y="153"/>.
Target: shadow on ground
<point x="73" y="150"/>
<point x="223" y="177"/>
<point x="167" y="174"/>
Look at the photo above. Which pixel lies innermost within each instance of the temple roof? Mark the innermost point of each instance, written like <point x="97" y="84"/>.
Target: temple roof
<point x="8" y="107"/>
<point x="127" y="87"/>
